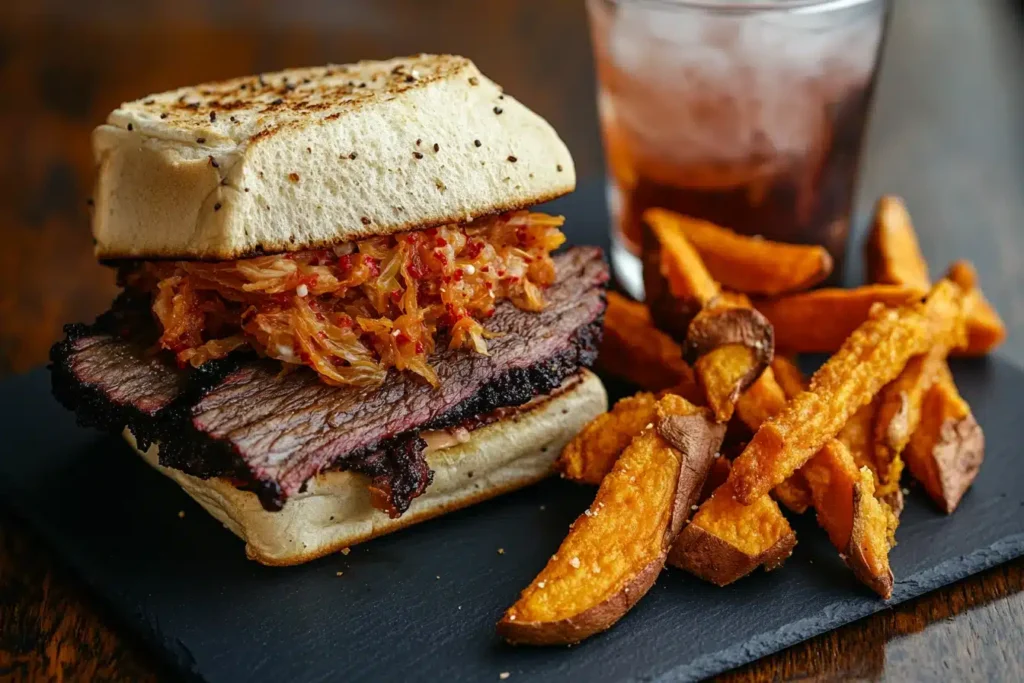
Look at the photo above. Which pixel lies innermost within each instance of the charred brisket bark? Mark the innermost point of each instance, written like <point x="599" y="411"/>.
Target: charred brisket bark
<point x="273" y="433"/>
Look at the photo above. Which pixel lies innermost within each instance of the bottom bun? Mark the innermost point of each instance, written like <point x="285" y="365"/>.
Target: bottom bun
<point x="334" y="511"/>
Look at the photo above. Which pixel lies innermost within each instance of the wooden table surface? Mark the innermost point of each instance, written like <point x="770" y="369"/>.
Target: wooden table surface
<point x="946" y="134"/>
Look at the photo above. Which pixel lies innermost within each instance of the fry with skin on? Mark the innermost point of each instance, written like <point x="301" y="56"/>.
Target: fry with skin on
<point x="985" y="329"/>
<point x="688" y="304"/>
<point x="945" y="451"/>
<point x="616" y="549"/>
<point x="820" y="321"/>
<point x="893" y="254"/>
<point x="843" y="497"/>
<point x="680" y="264"/>
<point x="899" y="410"/>
<point x="721" y="373"/>
<point x="635" y="350"/>
<point x="592" y="453"/>
<point x="725" y="540"/>
<point x="869" y="359"/>
<point x="753" y="265"/>
<point x="676" y="283"/>
<point x="894" y="257"/>
<point x="730" y="345"/>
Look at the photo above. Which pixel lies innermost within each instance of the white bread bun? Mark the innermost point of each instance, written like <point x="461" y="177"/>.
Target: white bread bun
<point x="335" y="511"/>
<point x="311" y="157"/>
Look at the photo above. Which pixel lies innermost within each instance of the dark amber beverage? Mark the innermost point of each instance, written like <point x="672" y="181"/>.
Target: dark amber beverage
<point x="750" y="115"/>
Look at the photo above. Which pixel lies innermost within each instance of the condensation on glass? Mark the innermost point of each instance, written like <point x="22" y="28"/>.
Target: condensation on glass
<point x="746" y="114"/>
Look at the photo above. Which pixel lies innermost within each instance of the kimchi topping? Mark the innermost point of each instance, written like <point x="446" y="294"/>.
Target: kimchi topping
<point x="354" y="311"/>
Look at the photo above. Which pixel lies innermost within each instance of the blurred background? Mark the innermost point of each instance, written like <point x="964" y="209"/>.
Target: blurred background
<point x="945" y="130"/>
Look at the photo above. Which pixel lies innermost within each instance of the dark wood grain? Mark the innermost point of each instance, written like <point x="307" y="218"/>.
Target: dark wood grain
<point x="946" y="134"/>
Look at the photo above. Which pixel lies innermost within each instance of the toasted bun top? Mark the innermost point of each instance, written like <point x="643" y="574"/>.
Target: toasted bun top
<point x="311" y="157"/>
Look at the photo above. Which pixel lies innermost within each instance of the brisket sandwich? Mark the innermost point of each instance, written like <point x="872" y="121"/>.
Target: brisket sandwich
<point x="338" y="316"/>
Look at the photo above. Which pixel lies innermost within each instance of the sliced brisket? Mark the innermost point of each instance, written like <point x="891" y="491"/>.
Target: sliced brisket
<point x="274" y="432"/>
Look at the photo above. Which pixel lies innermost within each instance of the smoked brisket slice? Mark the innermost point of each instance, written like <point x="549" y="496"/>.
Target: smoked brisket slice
<point x="274" y="432"/>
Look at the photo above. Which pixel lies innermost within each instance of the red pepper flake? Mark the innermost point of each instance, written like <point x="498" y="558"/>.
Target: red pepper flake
<point x="485" y="269"/>
<point x="430" y="232"/>
<point x="473" y="249"/>
<point x="365" y="221"/>
<point x="441" y="242"/>
<point x="458" y="274"/>
<point x="419" y="347"/>
<point x="345" y="262"/>
<point x="294" y="177"/>
<point x="374" y="265"/>
<point x="403" y="338"/>
<point x="396" y="295"/>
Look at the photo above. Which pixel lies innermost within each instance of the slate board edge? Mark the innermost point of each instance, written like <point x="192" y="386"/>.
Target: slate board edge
<point x="140" y="624"/>
<point x="906" y="589"/>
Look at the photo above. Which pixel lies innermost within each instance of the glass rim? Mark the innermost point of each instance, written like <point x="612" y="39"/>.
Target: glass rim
<point x="762" y="6"/>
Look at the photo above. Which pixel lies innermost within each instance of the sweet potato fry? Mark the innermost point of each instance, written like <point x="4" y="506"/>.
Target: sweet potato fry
<point x="616" y="549"/>
<point x="844" y="501"/>
<point x="869" y="359"/>
<point x="754" y="265"/>
<point x="725" y="540"/>
<point x="730" y="344"/>
<point x="892" y="253"/>
<point x="722" y="374"/>
<point x="858" y="435"/>
<point x="985" y="329"/>
<point x="687" y="276"/>
<point x="946" y="449"/>
<point x="763" y="400"/>
<point x="635" y="350"/>
<point x="899" y="410"/>
<point x="856" y="522"/>
<point x="821" y="320"/>
<point x="592" y="453"/>
<point x="676" y="283"/>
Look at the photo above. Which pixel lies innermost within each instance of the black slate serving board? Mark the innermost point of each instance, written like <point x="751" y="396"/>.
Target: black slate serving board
<point x="421" y="604"/>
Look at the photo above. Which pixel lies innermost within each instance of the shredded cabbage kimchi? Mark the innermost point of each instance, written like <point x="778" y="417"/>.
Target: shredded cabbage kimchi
<point x="354" y="311"/>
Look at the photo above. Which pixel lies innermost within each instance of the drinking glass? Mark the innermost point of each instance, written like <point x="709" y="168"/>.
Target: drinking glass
<point x="746" y="114"/>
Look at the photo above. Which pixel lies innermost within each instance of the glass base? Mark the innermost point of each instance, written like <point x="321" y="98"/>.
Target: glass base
<point x="628" y="269"/>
